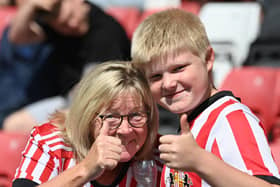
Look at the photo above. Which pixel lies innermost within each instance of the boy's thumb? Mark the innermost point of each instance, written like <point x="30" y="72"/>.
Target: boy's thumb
<point x="184" y="124"/>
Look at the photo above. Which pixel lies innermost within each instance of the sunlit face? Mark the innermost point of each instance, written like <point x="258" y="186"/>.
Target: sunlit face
<point x="132" y="138"/>
<point x="181" y="82"/>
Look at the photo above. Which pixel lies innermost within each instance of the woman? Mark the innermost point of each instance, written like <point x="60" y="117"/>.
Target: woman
<point x="111" y="123"/>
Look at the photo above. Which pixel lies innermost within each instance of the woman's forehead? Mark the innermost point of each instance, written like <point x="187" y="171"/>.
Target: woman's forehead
<point x="127" y="98"/>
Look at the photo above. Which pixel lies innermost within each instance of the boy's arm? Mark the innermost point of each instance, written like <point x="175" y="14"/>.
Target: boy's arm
<point x="217" y="173"/>
<point x="182" y="152"/>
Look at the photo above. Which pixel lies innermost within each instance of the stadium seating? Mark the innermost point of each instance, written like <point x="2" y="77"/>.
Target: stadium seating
<point x="191" y="6"/>
<point x="231" y="28"/>
<point x="11" y="146"/>
<point x="256" y="86"/>
<point x="275" y="132"/>
<point x="235" y="23"/>
<point x="6" y="15"/>
<point x="128" y="17"/>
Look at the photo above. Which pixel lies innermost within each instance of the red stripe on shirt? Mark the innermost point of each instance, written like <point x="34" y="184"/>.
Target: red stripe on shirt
<point x="50" y="167"/>
<point x="204" y="133"/>
<point x="26" y="150"/>
<point x="215" y="149"/>
<point x="33" y="163"/>
<point x="246" y="142"/>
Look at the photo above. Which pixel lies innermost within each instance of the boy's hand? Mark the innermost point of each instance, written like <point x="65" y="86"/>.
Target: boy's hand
<point x="180" y="151"/>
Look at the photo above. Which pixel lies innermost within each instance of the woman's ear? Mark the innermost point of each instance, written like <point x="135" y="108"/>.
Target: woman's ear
<point x="210" y="58"/>
<point x="96" y="125"/>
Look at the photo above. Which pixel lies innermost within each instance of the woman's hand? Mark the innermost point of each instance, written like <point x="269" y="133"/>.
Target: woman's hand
<point x="104" y="153"/>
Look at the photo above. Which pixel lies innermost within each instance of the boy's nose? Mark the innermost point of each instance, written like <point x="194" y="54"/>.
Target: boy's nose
<point x="168" y="82"/>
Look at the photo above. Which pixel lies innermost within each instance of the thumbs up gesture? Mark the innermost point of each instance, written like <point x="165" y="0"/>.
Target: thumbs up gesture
<point x="105" y="153"/>
<point x="180" y="151"/>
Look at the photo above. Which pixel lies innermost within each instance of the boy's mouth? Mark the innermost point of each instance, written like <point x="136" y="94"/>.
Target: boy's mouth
<point x="172" y="95"/>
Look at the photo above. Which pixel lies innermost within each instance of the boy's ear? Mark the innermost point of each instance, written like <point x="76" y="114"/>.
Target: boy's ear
<point x="210" y="58"/>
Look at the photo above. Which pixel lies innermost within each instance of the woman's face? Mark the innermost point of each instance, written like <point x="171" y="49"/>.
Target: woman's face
<point x="132" y="138"/>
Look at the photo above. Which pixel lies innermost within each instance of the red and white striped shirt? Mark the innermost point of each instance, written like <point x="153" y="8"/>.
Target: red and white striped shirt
<point x="47" y="155"/>
<point x="228" y="129"/>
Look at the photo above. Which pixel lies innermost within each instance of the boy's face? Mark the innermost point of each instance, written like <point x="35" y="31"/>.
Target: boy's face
<point x="181" y="82"/>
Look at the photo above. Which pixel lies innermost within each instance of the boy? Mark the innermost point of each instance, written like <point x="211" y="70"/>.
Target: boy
<point x="219" y="136"/>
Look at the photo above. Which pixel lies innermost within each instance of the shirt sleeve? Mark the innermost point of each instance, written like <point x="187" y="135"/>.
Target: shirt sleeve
<point x="38" y="163"/>
<point x="270" y="179"/>
<point x="24" y="183"/>
<point x="249" y="150"/>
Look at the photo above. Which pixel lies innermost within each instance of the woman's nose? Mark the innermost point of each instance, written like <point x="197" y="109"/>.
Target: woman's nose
<point x="125" y="127"/>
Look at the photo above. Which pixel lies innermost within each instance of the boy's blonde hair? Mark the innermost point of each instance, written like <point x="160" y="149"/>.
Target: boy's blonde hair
<point x="168" y="32"/>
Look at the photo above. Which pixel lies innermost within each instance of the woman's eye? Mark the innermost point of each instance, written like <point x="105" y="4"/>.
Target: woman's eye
<point x="109" y="116"/>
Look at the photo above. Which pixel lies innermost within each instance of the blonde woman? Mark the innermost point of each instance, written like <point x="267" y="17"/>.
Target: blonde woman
<point x="111" y="123"/>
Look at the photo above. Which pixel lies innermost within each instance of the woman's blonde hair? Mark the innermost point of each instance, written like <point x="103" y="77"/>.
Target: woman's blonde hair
<point x="95" y="93"/>
<point x="166" y="32"/>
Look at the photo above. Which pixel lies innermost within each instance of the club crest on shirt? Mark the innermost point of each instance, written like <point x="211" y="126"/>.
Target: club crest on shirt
<point x="179" y="179"/>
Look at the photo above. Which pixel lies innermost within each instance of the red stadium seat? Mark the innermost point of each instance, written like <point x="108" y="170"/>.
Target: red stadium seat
<point x="128" y="17"/>
<point x="275" y="132"/>
<point x="191" y="6"/>
<point x="11" y="146"/>
<point x="256" y="88"/>
<point x="6" y="15"/>
<point x="277" y="99"/>
<point x="149" y="12"/>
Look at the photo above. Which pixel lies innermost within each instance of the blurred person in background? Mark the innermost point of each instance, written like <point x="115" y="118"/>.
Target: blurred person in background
<point x="75" y="33"/>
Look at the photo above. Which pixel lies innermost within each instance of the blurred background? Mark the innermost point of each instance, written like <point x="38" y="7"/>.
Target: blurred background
<point x="245" y="36"/>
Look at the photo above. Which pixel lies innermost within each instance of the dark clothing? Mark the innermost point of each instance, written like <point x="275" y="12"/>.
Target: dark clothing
<point x="265" y="50"/>
<point x="106" y="40"/>
<point x="57" y="64"/>
<point x="17" y="64"/>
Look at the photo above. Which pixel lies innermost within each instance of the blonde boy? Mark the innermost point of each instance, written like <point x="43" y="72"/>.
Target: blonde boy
<point x="220" y="137"/>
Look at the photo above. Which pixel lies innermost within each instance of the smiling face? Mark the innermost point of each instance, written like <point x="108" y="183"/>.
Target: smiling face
<point x="180" y="82"/>
<point x="132" y="138"/>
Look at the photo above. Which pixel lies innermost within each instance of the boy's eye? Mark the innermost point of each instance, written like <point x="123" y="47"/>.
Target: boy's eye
<point x="155" y="77"/>
<point x="179" y="68"/>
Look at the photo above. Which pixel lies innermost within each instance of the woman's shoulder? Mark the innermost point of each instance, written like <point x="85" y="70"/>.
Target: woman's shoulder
<point x="45" y="129"/>
<point x="48" y="134"/>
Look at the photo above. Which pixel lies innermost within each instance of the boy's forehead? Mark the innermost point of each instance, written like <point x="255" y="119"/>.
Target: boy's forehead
<point x="171" y="55"/>
<point x="155" y="65"/>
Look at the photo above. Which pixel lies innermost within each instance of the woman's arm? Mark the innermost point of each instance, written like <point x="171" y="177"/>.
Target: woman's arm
<point x="40" y="160"/>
